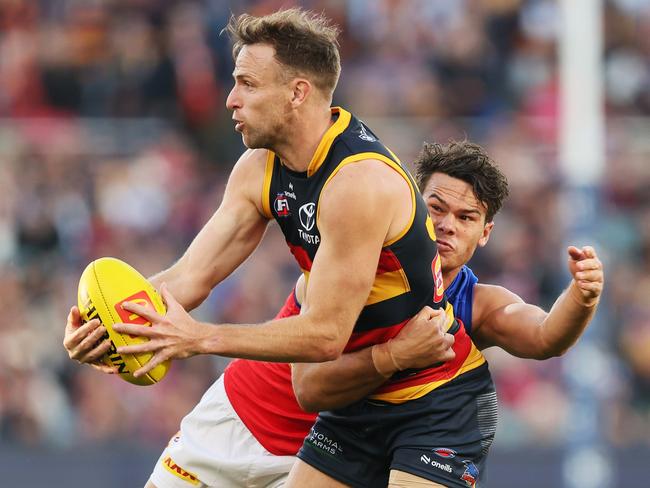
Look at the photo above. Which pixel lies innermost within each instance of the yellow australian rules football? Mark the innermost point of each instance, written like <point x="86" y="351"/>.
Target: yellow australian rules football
<point x="104" y="286"/>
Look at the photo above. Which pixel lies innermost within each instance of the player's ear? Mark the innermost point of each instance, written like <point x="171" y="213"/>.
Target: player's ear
<point x="300" y="90"/>
<point x="487" y="230"/>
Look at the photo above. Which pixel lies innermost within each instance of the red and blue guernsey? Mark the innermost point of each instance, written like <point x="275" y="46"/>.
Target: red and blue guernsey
<point x="408" y="273"/>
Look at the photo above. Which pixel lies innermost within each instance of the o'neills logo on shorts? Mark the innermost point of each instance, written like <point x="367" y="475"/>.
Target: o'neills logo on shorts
<point x="176" y="470"/>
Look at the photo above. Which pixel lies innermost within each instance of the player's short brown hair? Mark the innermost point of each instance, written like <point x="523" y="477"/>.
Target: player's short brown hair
<point x="468" y="162"/>
<point x="304" y="42"/>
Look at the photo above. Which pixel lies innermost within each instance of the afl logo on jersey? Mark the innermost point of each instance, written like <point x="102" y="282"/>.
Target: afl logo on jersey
<point x="439" y="286"/>
<point x="307" y="215"/>
<point x="281" y="205"/>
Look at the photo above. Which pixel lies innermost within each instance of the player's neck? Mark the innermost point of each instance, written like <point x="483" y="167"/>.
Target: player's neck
<point x="306" y="133"/>
<point x="448" y="276"/>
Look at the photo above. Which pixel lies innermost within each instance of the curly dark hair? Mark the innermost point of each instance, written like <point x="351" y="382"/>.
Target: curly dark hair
<point x="468" y="162"/>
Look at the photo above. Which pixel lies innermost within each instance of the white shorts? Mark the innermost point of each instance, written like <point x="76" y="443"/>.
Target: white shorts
<point x="215" y="449"/>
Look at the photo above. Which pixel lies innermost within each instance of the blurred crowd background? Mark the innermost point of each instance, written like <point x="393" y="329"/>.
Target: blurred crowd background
<point x="115" y="140"/>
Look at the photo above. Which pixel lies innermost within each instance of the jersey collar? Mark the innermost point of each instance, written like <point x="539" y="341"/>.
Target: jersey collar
<point x="325" y="144"/>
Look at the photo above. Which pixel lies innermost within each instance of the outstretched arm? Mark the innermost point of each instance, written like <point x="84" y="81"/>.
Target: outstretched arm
<point x="228" y="238"/>
<point x="335" y="384"/>
<point x="503" y="319"/>
<point x="366" y="194"/>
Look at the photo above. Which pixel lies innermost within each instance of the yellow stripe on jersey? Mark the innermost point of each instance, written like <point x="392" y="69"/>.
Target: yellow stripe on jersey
<point x="449" y="312"/>
<point x="392" y="154"/>
<point x="474" y="359"/>
<point x="397" y="167"/>
<point x="326" y="142"/>
<point x="266" y="187"/>
<point x="388" y="285"/>
<point x="355" y="158"/>
<point x="431" y="229"/>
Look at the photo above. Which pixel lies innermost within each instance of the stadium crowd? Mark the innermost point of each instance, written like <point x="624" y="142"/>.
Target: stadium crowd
<point x="114" y="140"/>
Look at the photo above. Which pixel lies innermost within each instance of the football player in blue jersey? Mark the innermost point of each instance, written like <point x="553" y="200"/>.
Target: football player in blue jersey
<point x="464" y="189"/>
<point x="460" y="203"/>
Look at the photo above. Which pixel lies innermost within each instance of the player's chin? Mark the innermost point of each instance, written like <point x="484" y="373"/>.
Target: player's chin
<point x="446" y="252"/>
<point x="249" y="142"/>
<point x="257" y="139"/>
<point x="253" y="143"/>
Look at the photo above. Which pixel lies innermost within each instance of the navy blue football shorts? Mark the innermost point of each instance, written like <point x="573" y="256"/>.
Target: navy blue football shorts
<point x="443" y="436"/>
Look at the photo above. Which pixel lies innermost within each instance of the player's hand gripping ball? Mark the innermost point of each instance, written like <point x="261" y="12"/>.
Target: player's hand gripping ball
<point x="105" y="284"/>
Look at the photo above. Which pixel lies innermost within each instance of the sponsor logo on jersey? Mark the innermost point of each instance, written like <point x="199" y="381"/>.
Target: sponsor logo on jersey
<point x="309" y="238"/>
<point x="307" y="214"/>
<point x="281" y="205"/>
<point x="470" y="475"/>
<point x="176" y="470"/>
<point x="364" y="135"/>
<point x="444" y="452"/>
<point x="290" y="193"/>
<point x="323" y="443"/>
<point x="432" y="462"/>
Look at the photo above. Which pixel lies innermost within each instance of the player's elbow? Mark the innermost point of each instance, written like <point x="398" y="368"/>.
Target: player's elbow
<point x="542" y="355"/>
<point x="310" y="390"/>
<point x="548" y="350"/>
<point x="194" y="293"/>
<point x="327" y="349"/>
<point x="555" y="352"/>
<point x="327" y="342"/>
<point x="309" y="399"/>
<point x="547" y="346"/>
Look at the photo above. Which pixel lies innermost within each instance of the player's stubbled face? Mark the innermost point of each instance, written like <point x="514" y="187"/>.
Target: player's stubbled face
<point x="259" y="98"/>
<point x="458" y="217"/>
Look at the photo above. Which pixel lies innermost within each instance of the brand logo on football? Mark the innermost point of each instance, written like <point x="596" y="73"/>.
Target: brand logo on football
<point x="141" y="298"/>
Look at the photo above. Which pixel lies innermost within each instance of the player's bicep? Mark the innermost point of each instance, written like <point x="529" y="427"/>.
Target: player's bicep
<point x="228" y="238"/>
<point x="340" y="282"/>
<point x="234" y="230"/>
<point x="508" y="322"/>
<point x="353" y="223"/>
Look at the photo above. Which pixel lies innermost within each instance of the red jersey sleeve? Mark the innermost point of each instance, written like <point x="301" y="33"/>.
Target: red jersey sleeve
<point x="291" y="306"/>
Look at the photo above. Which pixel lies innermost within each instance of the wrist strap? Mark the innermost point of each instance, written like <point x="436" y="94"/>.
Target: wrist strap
<point x="383" y="360"/>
